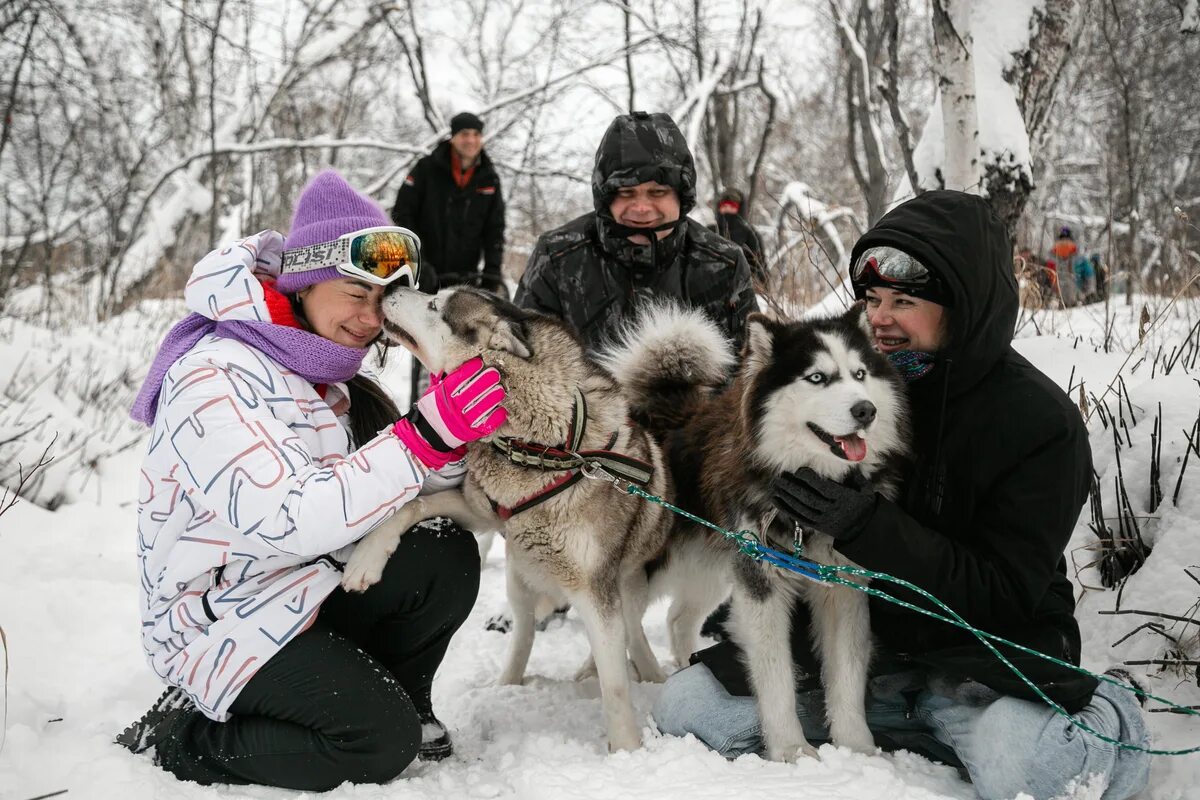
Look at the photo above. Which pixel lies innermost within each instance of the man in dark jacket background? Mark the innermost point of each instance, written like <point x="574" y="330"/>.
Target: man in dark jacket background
<point x="638" y="243"/>
<point x="453" y="201"/>
<point x="1000" y="470"/>
<point x="733" y="225"/>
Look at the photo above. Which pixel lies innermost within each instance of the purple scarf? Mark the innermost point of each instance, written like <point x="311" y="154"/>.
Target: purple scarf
<point x="312" y="357"/>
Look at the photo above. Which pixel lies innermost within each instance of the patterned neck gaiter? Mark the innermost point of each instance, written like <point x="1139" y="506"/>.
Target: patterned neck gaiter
<point x="912" y="364"/>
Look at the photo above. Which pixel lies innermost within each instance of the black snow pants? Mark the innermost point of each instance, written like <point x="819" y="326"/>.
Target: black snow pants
<point x="340" y="702"/>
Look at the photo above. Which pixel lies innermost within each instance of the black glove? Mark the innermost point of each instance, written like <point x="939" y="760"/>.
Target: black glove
<point x="819" y="504"/>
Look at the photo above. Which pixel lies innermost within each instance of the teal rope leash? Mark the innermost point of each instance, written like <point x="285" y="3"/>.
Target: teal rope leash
<point x="748" y="543"/>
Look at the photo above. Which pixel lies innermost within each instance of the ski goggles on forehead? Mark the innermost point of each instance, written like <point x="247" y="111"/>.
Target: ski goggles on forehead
<point x="890" y="265"/>
<point x="890" y="268"/>
<point x="380" y="256"/>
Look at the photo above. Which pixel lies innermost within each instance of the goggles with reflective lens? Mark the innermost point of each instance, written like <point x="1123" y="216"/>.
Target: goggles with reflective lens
<point x="891" y="266"/>
<point x="896" y="269"/>
<point x="376" y="255"/>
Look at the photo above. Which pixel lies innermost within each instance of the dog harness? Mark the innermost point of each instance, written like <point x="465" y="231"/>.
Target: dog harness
<point x="574" y="464"/>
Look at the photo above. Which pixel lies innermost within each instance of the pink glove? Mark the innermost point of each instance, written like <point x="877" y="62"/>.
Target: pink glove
<point x="456" y="408"/>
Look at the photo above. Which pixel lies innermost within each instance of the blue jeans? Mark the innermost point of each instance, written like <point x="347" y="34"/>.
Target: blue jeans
<point x="1005" y="745"/>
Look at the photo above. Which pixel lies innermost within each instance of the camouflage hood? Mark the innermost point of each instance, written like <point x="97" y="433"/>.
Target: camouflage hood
<point x="642" y="147"/>
<point x="636" y="148"/>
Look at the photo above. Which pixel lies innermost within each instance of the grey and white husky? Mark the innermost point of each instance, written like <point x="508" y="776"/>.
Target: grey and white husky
<point x="567" y="537"/>
<point x="809" y="394"/>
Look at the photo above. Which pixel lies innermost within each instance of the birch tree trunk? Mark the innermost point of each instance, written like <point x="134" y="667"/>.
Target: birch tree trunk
<point x="955" y="65"/>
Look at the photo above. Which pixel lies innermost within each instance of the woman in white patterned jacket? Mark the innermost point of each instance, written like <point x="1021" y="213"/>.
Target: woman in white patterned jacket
<point x="270" y="455"/>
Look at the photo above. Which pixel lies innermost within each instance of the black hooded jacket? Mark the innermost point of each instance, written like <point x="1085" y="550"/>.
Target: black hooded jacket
<point x="456" y="225"/>
<point x="1001" y="469"/>
<point x="589" y="274"/>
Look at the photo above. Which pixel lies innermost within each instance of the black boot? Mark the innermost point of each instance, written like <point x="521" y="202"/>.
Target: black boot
<point x="435" y="738"/>
<point x="167" y="714"/>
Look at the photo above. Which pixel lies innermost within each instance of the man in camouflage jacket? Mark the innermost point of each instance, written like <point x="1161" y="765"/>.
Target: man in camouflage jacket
<point x="638" y="244"/>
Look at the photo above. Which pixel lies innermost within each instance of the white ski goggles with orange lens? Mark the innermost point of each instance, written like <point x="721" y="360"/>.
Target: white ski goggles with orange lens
<point x="380" y="256"/>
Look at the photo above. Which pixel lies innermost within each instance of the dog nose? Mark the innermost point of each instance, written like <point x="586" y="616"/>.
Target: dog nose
<point x="863" y="411"/>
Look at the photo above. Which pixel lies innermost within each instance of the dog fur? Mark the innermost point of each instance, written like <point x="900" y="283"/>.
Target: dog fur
<point x="603" y="551"/>
<point x="725" y="456"/>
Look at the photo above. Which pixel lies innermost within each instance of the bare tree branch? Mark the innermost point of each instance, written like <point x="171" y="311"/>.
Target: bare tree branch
<point x="767" y="130"/>
<point x="415" y="57"/>
<point x="12" y="91"/>
<point x="891" y="93"/>
<point x="9" y="499"/>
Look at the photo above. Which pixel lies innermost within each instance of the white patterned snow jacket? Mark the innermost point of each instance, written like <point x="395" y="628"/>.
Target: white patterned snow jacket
<point x="247" y="488"/>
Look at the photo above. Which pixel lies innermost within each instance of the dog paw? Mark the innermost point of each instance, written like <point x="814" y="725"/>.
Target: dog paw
<point x="623" y="740"/>
<point x="652" y="673"/>
<point x="359" y="577"/>
<point x="370" y="556"/>
<point x="855" y="737"/>
<point x="363" y="571"/>
<point x="501" y="623"/>
<point x="791" y="752"/>
<point x="507" y="679"/>
<point x="587" y="670"/>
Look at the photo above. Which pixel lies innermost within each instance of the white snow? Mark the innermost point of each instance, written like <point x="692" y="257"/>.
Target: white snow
<point x="76" y="674"/>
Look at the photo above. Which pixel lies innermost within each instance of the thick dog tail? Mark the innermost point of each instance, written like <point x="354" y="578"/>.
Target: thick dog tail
<point x="668" y="359"/>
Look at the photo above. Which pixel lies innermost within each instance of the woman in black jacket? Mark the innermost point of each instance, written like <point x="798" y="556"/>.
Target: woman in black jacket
<point x="1001" y="469"/>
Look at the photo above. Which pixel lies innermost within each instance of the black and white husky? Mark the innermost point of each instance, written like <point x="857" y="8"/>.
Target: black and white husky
<point x="809" y="394"/>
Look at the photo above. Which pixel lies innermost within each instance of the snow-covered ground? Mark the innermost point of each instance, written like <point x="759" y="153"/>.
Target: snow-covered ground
<point x="76" y="675"/>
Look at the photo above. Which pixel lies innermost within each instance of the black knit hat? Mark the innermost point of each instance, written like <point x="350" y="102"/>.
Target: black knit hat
<point x="464" y="121"/>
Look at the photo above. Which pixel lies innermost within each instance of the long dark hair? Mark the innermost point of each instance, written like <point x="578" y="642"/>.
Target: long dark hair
<point x="371" y="409"/>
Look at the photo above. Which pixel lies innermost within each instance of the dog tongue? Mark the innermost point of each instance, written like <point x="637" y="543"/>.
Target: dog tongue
<point x="854" y="446"/>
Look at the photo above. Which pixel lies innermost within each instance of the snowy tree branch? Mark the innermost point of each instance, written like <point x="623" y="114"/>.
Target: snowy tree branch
<point x="1190" y="13"/>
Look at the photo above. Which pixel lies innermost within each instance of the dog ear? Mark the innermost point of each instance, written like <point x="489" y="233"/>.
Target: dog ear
<point x="857" y="315"/>
<point x="510" y="336"/>
<point x="760" y="340"/>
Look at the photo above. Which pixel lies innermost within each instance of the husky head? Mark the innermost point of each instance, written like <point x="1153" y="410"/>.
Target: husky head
<point x="817" y="394"/>
<point x="445" y="329"/>
<point x="540" y="360"/>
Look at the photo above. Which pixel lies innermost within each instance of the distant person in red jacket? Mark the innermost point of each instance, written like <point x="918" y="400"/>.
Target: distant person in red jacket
<point x="1065" y="252"/>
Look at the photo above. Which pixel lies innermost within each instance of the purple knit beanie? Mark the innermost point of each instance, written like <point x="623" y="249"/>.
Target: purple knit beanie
<point x="328" y="208"/>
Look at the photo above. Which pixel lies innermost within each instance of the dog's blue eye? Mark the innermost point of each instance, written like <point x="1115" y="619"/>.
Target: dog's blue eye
<point x="816" y="377"/>
<point x="860" y="375"/>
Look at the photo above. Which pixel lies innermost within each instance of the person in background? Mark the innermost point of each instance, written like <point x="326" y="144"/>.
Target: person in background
<point x="271" y="452"/>
<point x="1001" y="467"/>
<point x="638" y="243"/>
<point x="731" y="223"/>
<point x="453" y="200"/>
<point x="1085" y="278"/>
<point x="1066" y="253"/>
